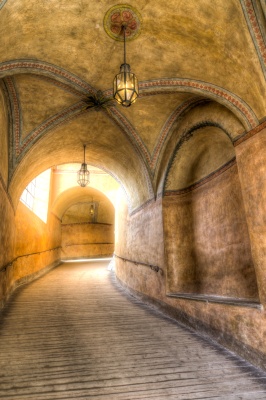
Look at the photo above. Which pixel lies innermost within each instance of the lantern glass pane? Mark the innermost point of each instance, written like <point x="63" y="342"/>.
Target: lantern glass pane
<point x="83" y="176"/>
<point x="125" y="88"/>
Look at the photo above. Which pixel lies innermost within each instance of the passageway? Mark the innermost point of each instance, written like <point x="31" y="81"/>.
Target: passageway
<point x="75" y="334"/>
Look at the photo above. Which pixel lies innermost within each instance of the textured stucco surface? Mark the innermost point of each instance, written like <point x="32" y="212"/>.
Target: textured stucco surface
<point x="241" y="329"/>
<point x="207" y="242"/>
<point x="207" y="151"/>
<point x="200" y="40"/>
<point x="87" y="240"/>
<point x="251" y="160"/>
<point x="3" y="138"/>
<point x="202" y="69"/>
<point x="55" y="56"/>
<point x="28" y="246"/>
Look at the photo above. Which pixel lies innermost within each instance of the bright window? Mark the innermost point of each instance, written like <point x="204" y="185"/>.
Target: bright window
<point x="36" y="195"/>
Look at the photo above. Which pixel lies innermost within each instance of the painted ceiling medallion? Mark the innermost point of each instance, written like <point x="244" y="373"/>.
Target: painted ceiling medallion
<point x="118" y="16"/>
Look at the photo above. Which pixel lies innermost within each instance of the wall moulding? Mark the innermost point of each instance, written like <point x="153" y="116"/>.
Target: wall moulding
<point x="250" y="134"/>
<point x="203" y="181"/>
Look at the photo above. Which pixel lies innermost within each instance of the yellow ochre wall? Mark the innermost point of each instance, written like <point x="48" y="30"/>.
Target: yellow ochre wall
<point x="212" y="256"/>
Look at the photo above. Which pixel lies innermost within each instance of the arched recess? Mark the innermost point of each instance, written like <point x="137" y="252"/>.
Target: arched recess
<point x="206" y="235"/>
<point x="87" y="227"/>
<point x="201" y="113"/>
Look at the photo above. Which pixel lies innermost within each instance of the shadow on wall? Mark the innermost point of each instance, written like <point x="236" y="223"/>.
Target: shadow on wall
<point x="206" y="235"/>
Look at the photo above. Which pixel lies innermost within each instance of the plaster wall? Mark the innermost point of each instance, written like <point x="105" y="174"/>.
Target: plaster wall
<point x="7" y="240"/>
<point x="85" y="239"/>
<point x="207" y="241"/>
<point x="29" y="247"/>
<point x="139" y="247"/>
<point x="3" y="138"/>
<point x="252" y="172"/>
<point x="241" y="328"/>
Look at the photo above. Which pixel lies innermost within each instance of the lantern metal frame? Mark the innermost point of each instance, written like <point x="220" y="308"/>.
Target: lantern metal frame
<point x="83" y="175"/>
<point x="126" y="87"/>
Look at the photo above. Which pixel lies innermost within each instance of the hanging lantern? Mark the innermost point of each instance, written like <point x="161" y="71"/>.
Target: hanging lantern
<point x="83" y="174"/>
<point x="125" y="83"/>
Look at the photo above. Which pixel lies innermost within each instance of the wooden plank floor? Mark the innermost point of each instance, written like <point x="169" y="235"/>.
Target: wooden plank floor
<point x="74" y="334"/>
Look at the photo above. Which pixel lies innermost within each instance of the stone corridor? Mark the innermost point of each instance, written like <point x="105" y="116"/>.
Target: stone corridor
<point x="75" y="334"/>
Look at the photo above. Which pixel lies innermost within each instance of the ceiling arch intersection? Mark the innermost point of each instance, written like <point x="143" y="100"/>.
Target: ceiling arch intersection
<point x="200" y="90"/>
<point x="206" y="89"/>
<point x="70" y="82"/>
<point x="21" y="146"/>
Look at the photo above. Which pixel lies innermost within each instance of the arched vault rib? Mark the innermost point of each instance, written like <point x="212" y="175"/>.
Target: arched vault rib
<point x="20" y="147"/>
<point x="207" y="89"/>
<point x="200" y="88"/>
<point x="216" y="93"/>
<point x="68" y="80"/>
<point x="36" y="67"/>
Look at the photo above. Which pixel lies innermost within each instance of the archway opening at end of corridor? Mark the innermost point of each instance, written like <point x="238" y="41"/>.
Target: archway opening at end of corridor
<point x="79" y="220"/>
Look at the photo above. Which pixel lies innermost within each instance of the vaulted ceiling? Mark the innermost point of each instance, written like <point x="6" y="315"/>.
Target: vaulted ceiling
<point x="201" y="67"/>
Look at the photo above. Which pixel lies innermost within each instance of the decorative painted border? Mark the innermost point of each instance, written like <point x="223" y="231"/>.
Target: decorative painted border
<point x="16" y="117"/>
<point x="227" y="98"/>
<point x="43" y="68"/>
<point x="58" y="119"/>
<point x="127" y="128"/>
<point x="123" y="123"/>
<point x="202" y="181"/>
<point x="65" y="87"/>
<point x="256" y="32"/>
<point x="214" y="92"/>
<point x="68" y="81"/>
<point x="81" y="89"/>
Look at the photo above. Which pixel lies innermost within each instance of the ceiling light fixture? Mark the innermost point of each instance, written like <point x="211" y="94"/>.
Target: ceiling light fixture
<point x="126" y="87"/>
<point x="83" y="174"/>
<point x="92" y="208"/>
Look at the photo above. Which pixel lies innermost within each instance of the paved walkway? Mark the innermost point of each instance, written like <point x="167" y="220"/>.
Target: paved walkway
<point x="74" y="334"/>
